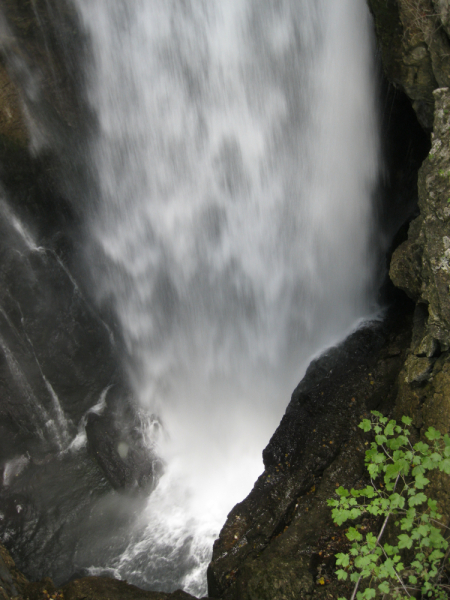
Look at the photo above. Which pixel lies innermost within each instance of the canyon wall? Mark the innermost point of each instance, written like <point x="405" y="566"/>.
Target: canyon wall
<point x="279" y="543"/>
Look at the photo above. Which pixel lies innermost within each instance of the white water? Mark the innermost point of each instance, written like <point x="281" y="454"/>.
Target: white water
<point x="236" y="160"/>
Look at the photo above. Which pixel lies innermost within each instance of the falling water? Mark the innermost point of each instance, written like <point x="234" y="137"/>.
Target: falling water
<point x="236" y="160"/>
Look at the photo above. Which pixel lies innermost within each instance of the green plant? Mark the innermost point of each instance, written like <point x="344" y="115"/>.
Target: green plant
<point x="416" y="558"/>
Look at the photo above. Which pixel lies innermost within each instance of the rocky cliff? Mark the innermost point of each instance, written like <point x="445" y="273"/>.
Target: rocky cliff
<point x="61" y="378"/>
<point x="279" y="543"/>
<point x="420" y="265"/>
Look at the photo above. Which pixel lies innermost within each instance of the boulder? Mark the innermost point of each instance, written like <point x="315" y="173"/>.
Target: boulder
<point x="279" y="543"/>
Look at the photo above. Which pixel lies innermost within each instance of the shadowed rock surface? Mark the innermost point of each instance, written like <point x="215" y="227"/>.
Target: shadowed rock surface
<point x="278" y="542"/>
<point x="13" y="584"/>
<point x="415" y="49"/>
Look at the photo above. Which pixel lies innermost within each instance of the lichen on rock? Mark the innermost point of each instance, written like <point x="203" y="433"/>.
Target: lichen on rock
<point x="415" y="49"/>
<point x="421" y="265"/>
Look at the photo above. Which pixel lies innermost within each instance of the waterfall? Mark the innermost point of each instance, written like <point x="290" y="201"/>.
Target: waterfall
<point x="236" y="160"/>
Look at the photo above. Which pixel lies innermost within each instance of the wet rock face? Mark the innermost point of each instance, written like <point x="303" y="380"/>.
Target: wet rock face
<point x="56" y="353"/>
<point x="13" y="584"/>
<point x="44" y="117"/>
<point x="42" y="48"/>
<point x="12" y="121"/>
<point x="116" y="442"/>
<point x="414" y="39"/>
<point x="278" y="544"/>
<point x="414" y="43"/>
<point x="57" y="360"/>
<point x="70" y="434"/>
<point x="12" y="581"/>
<point x="421" y="266"/>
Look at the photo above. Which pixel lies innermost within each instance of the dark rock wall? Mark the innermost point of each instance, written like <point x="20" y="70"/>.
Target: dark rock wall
<point x="43" y="48"/>
<point x="279" y="542"/>
<point x="414" y="44"/>
<point x="416" y="60"/>
<point x="60" y="363"/>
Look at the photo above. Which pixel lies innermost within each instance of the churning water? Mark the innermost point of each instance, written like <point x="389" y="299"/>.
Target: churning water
<point x="236" y="159"/>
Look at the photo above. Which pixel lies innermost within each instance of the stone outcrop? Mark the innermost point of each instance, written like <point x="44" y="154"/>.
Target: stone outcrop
<point x="415" y="49"/>
<point x="67" y="416"/>
<point x="15" y="586"/>
<point x="421" y="266"/>
<point x="280" y="541"/>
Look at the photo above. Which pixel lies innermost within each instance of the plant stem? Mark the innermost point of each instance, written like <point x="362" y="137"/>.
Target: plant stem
<point x="383" y="527"/>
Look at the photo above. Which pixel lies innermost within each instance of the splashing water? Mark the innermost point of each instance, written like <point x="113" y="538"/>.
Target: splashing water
<point x="236" y="159"/>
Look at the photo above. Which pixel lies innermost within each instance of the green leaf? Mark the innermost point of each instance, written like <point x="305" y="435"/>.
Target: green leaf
<point x="445" y="465"/>
<point x="435" y="457"/>
<point x="421" y="447"/>
<point x="373" y="470"/>
<point x="397" y="501"/>
<point x="433" y="434"/>
<point x="380" y="439"/>
<point x="353" y="535"/>
<point x="419" y="469"/>
<point x="384" y="587"/>
<point x="404" y="541"/>
<point x="417" y="565"/>
<point x="421" y="481"/>
<point x="362" y="561"/>
<point x="400" y="496"/>
<point x="391" y="471"/>
<point x="407" y="524"/>
<point x="436" y="538"/>
<point x="422" y="530"/>
<point x="417" y="499"/>
<point x="365" y="425"/>
<point x="342" y="559"/>
<point x="355" y="513"/>
<point x="436" y="555"/>
<point x="368" y="492"/>
<point x="432" y="504"/>
<point x="389" y="429"/>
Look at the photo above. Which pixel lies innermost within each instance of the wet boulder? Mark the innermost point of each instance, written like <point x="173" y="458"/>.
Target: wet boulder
<point x="280" y="541"/>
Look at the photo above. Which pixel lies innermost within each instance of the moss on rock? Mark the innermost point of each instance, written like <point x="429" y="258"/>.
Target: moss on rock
<point x="415" y="49"/>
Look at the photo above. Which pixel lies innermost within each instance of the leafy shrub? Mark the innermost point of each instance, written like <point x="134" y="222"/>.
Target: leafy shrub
<point x="397" y="472"/>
